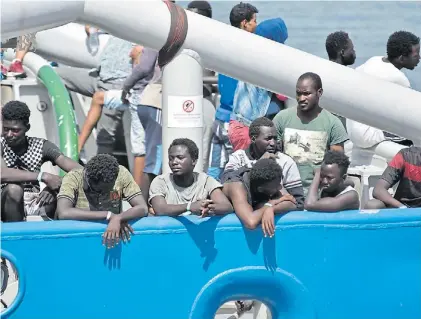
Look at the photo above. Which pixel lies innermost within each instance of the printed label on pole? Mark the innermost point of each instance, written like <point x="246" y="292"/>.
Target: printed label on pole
<point x="185" y="111"/>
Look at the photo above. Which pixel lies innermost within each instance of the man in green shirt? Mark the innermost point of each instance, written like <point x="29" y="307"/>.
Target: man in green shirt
<point x="308" y="131"/>
<point x="96" y="192"/>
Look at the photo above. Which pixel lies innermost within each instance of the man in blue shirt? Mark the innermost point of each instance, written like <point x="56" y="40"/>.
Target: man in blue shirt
<point x="243" y="16"/>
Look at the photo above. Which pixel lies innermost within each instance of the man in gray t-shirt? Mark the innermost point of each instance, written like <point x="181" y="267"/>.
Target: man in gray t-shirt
<point x="185" y="191"/>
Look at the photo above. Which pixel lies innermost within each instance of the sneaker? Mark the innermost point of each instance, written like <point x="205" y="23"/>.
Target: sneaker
<point x="16" y="70"/>
<point x="3" y="72"/>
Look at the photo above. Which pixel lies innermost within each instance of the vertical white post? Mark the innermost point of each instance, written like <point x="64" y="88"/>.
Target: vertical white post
<point x="182" y="104"/>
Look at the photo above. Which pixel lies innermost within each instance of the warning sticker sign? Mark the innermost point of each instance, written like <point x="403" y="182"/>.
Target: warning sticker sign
<point x="188" y="106"/>
<point x="185" y="111"/>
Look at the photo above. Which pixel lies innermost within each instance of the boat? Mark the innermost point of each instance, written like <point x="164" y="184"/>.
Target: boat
<point x="345" y="265"/>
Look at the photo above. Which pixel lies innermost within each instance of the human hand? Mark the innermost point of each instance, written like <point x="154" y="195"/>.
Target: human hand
<point x="197" y="207"/>
<point x="52" y="181"/>
<point x="268" y="222"/>
<point x="268" y="155"/>
<point x="208" y="208"/>
<point x="135" y="53"/>
<point x="284" y="198"/>
<point x="46" y="197"/>
<point x="111" y="236"/>
<point x="126" y="230"/>
<point x="124" y="97"/>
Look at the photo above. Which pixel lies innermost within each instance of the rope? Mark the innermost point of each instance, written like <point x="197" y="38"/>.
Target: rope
<point x="176" y="36"/>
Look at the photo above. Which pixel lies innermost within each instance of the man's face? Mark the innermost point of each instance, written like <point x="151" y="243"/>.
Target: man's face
<point x="249" y="26"/>
<point x="180" y="160"/>
<point x="348" y="55"/>
<point x="330" y="177"/>
<point x="307" y="95"/>
<point x="411" y="61"/>
<point x="271" y="189"/>
<point x="99" y="188"/>
<point x="266" y="141"/>
<point x="14" y="132"/>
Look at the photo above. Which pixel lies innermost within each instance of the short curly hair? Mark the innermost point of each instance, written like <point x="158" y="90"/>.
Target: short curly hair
<point x="255" y="126"/>
<point x="314" y="77"/>
<point x="240" y="12"/>
<point x="264" y="171"/>
<point x="401" y="43"/>
<point x="189" y="144"/>
<point x="339" y="158"/>
<point x="335" y="43"/>
<point x="201" y="7"/>
<point x="102" y="168"/>
<point x="16" y="111"/>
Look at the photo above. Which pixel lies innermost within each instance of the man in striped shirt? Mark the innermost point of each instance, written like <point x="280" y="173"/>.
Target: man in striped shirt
<point x="404" y="168"/>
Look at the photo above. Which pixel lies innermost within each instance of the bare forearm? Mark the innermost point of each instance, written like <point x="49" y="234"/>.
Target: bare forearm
<point x="134" y="213"/>
<point x="284" y="207"/>
<point x="141" y="70"/>
<point x="384" y="196"/>
<point x="250" y="219"/>
<point x="323" y="205"/>
<point x="80" y="214"/>
<point x="223" y="208"/>
<point x="169" y="210"/>
<point x="313" y="190"/>
<point x="11" y="175"/>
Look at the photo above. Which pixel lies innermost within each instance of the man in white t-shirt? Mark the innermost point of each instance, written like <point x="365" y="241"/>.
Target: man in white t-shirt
<point x="403" y="52"/>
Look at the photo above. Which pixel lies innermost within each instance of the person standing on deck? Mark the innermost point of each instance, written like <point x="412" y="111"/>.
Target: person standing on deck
<point x="307" y="131"/>
<point x="115" y="66"/>
<point x="403" y="52"/>
<point x="250" y="101"/>
<point x="22" y="158"/>
<point x="340" y="49"/>
<point x="146" y="129"/>
<point x="242" y="16"/>
<point x="142" y="91"/>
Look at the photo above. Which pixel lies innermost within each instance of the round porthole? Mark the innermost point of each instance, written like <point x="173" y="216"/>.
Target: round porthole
<point x="9" y="283"/>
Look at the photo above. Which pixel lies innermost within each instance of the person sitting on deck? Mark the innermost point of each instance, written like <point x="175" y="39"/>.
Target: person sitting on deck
<point x="335" y="195"/>
<point x="264" y="145"/>
<point x="405" y="169"/>
<point x="257" y="194"/>
<point x="96" y="192"/>
<point x="22" y="158"/>
<point x="186" y="192"/>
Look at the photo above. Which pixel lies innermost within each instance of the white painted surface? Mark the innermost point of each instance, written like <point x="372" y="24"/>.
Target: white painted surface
<point x="386" y="106"/>
<point x="185" y="111"/>
<point x="67" y="45"/>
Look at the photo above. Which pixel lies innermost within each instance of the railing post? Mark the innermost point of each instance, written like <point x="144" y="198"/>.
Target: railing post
<point x="182" y="103"/>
